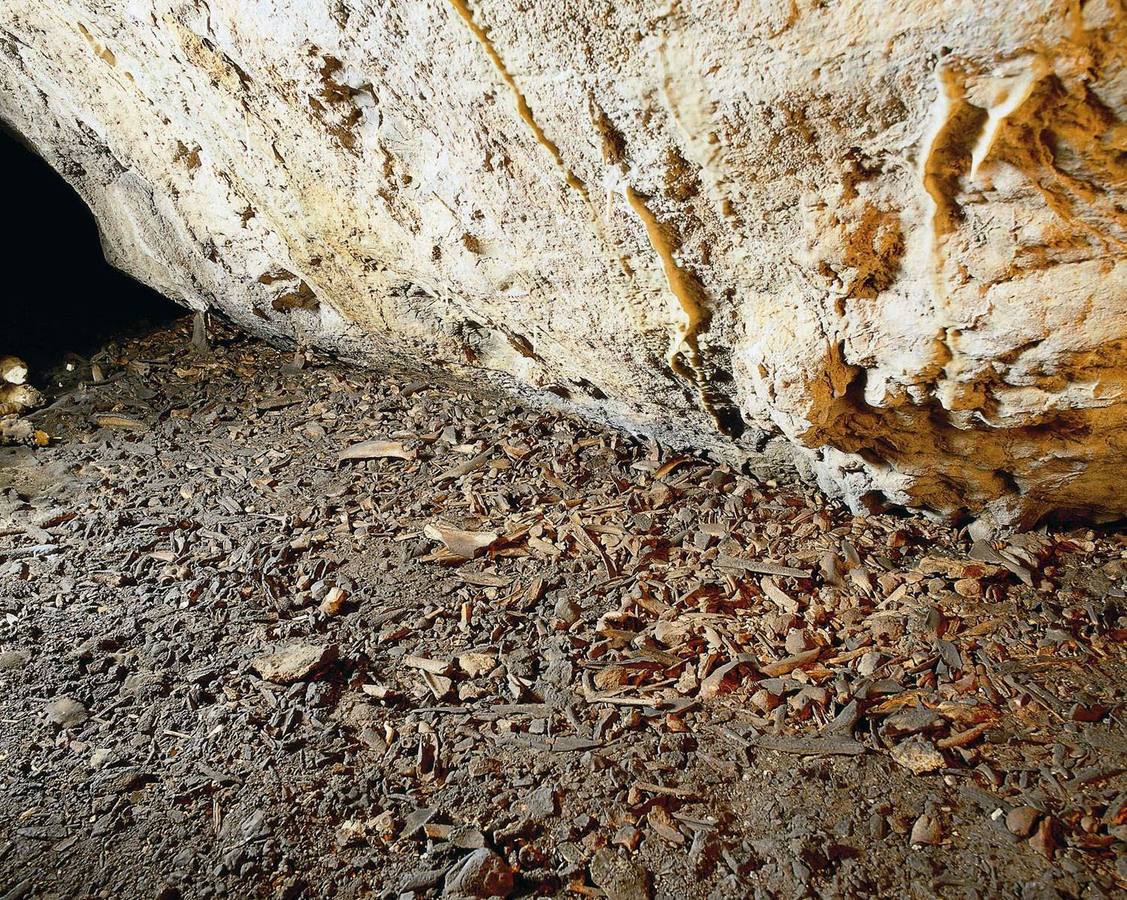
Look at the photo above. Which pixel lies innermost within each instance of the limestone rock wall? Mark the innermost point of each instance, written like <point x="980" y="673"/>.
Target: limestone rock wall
<point x="884" y="240"/>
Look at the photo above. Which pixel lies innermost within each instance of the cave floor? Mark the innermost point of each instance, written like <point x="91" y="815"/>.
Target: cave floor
<point x="243" y="653"/>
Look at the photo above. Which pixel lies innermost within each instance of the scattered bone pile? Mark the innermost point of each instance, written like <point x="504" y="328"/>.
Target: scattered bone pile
<point x="270" y="627"/>
<point x="16" y="398"/>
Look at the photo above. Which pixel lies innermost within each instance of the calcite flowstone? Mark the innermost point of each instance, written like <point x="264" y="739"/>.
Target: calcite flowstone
<point x="883" y="241"/>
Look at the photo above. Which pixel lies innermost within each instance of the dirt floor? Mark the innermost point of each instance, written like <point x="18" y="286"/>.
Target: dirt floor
<point x="273" y="631"/>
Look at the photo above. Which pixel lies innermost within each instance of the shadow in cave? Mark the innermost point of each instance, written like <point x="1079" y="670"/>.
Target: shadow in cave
<point x="60" y="298"/>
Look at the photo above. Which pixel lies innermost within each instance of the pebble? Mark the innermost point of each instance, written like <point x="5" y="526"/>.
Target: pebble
<point x="911" y="721"/>
<point x="13" y="660"/>
<point x="926" y="830"/>
<point x="467" y="837"/>
<point x="66" y="712"/>
<point x="968" y="587"/>
<point x="333" y="601"/>
<point x="1021" y="820"/>
<point x="619" y="878"/>
<point x="566" y="610"/>
<point x="869" y="663"/>
<point x="101" y="758"/>
<point x="416" y="820"/>
<point x="482" y="874"/>
<point x="878" y="826"/>
<point x="19" y="890"/>
<point x="542" y="804"/>
<point x="475" y="664"/>
<point x="293" y="662"/>
<point x="796" y="641"/>
<point x="918" y="755"/>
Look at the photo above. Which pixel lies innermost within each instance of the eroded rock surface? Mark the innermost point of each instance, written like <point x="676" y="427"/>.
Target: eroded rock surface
<point x="885" y="241"/>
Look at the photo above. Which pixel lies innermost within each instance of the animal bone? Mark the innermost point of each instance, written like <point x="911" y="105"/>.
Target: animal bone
<point x="13" y="370"/>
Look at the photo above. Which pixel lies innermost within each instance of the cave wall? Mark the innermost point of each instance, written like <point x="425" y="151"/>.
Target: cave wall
<point x="883" y="241"/>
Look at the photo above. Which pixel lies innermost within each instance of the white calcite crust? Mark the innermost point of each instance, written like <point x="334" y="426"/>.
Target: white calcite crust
<point x="882" y="240"/>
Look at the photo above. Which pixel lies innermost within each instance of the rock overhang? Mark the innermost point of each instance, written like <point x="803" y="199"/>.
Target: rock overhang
<point x="884" y="243"/>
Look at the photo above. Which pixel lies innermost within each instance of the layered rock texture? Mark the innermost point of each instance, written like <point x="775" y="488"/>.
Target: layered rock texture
<point x="884" y="241"/>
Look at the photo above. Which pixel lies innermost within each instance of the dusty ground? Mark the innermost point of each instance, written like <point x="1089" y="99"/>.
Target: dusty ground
<point x="234" y="663"/>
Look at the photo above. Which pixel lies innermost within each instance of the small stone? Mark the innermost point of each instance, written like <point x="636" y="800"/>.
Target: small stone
<point x="293" y="662"/>
<point x="12" y="660"/>
<point x="1044" y="839"/>
<point x="918" y="755"/>
<point x="333" y="601"/>
<point x="101" y="758"/>
<point x="628" y="837"/>
<point x="372" y="739"/>
<point x="970" y="588"/>
<point x="66" y="712"/>
<point x="467" y="837"/>
<point x="475" y="664"/>
<point x="797" y="641"/>
<point x="566" y="610"/>
<point x="910" y="721"/>
<point x="439" y="685"/>
<point x="482" y="874"/>
<point x="868" y="664"/>
<point x="619" y="878"/>
<point x="542" y="804"/>
<point x="19" y="890"/>
<point x="721" y="681"/>
<point x="1021" y="820"/>
<point x="416" y="820"/>
<point x="926" y="830"/>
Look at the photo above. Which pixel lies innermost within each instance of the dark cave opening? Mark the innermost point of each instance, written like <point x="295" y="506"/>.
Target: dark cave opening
<point x="60" y="299"/>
